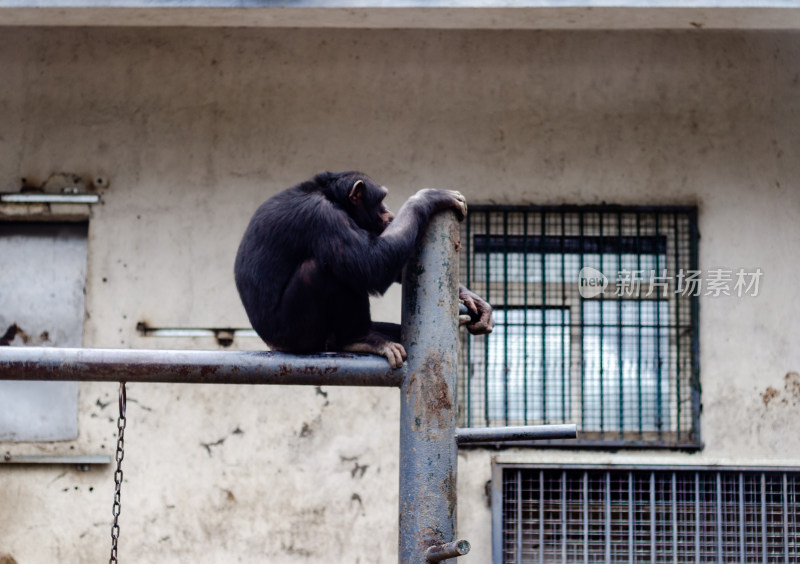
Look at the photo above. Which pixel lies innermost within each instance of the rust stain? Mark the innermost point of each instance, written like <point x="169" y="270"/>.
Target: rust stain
<point x="450" y="492"/>
<point x="288" y="371"/>
<point x="431" y="536"/>
<point x="183" y="371"/>
<point x="434" y="402"/>
<point x="207" y="371"/>
<point x="412" y="379"/>
<point x="430" y="397"/>
<point x="769" y="394"/>
<point x="440" y="396"/>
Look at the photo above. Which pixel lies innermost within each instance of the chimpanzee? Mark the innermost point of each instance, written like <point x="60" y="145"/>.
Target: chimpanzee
<point x="313" y="254"/>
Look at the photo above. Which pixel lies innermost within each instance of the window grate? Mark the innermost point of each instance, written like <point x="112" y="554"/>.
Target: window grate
<point x="623" y="363"/>
<point x="624" y="516"/>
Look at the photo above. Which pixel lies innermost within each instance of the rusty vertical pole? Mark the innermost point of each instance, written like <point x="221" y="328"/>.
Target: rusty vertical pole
<point x="428" y="451"/>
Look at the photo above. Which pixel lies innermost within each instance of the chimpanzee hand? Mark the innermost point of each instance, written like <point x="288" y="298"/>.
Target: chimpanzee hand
<point x="444" y="199"/>
<point x="484" y="324"/>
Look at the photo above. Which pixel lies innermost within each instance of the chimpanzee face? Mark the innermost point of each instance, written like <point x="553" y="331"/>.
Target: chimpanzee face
<point x="367" y="207"/>
<point x="385" y="215"/>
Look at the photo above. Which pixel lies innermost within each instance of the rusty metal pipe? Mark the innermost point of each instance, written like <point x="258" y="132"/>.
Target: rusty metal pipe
<point x="428" y="451"/>
<point x="196" y="367"/>
<point x="505" y="434"/>
<point x="444" y="551"/>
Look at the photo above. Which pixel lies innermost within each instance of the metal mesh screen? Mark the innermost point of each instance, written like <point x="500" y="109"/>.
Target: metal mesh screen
<point x="608" y="516"/>
<point x="621" y="362"/>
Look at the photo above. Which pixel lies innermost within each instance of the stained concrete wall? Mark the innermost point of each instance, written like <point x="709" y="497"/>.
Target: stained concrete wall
<point x="195" y="127"/>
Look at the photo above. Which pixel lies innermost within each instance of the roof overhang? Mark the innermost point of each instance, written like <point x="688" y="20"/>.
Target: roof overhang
<point x="419" y="14"/>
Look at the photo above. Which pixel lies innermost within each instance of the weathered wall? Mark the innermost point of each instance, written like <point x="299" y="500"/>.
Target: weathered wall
<point x="195" y="127"/>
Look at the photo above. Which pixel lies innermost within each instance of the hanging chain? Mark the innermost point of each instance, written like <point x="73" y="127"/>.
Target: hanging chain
<point x="118" y="473"/>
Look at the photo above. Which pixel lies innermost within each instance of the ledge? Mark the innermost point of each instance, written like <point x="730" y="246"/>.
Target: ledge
<point x="83" y="461"/>
<point x="409" y="14"/>
<point x="583" y="444"/>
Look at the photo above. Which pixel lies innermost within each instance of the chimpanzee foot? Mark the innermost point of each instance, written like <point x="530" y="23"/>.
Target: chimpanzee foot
<point x="376" y="343"/>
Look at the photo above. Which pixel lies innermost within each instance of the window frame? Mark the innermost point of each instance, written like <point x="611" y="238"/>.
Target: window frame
<point x="55" y="405"/>
<point x="688" y="440"/>
<point x="722" y="533"/>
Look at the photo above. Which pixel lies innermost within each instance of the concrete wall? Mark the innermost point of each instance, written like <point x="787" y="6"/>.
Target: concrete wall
<point x="195" y="127"/>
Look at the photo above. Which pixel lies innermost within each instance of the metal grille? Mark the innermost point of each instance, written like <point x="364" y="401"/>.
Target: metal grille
<point x="622" y="363"/>
<point x="607" y="516"/>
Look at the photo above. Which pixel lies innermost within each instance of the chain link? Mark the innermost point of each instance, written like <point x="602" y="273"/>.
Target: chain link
<point x="118" y="473"/>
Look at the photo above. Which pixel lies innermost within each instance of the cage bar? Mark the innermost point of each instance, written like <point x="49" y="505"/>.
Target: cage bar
<point x="487" y="435"/>
<point x="196" y="367"/>
<point x="428" y="450"/>
<point x="438" y="553"/>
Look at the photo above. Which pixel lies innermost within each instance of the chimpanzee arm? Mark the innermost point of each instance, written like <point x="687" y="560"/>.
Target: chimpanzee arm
<point x="372" y="263"/>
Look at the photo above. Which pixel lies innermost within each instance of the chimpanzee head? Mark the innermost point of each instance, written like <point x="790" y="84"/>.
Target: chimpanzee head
<point x="362" y="199"/>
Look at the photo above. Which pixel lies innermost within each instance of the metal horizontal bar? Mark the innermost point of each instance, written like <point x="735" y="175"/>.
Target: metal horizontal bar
<point x="80" y="459"/>
<point x="398" y="3"/>
<point x="181" y="332"/>
<point x="438" y="553"/>
<point x="196" y="367"/>
<point x="50" y="198"/>
<point x="575" y="208"/>
<point x="527" y="433"/>
<point x="571" y="244"/>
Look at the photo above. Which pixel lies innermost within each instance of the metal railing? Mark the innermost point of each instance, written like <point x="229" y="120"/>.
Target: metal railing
<point x="429" y="438"/>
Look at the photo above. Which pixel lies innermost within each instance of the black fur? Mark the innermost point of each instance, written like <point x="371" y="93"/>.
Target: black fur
<point x="311" y="257"/>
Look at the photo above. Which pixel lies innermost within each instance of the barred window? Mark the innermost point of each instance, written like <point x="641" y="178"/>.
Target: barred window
<point x="654" y="515"/>
<point x="594" y="321"/>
